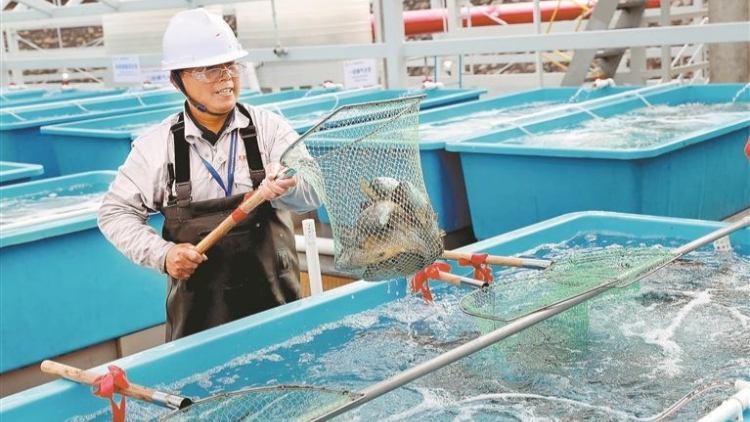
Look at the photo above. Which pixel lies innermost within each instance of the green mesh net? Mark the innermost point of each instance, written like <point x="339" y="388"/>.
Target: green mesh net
<point x="560" y="338"/>
<point x="363" y="160"/>
<point x="510" y="299"/>
<point x="268" y="404"/>
<point x="544" y="346"/>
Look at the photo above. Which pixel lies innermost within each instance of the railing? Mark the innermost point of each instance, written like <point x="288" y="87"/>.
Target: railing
<point x="680" y="66"/>
<point x="688" y="60"/>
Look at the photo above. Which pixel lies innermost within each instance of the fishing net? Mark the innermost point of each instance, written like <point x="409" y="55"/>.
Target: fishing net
<point x="366" y="167"/>
<point x="267" y="404"/>
<point x="564" y="336"/>
<point x="510" y="299"/>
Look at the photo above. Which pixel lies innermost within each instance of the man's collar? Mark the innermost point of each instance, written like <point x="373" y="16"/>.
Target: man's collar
<point x="194" y="129"/>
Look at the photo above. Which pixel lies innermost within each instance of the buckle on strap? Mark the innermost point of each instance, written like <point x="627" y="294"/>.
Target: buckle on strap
<point x="184" y="191"/>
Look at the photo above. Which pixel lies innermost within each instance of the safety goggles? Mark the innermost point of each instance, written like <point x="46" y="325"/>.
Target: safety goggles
<point x="216" y="73"/>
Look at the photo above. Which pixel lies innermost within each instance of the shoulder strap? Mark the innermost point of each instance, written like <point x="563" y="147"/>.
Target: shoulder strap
<point x="180" y="172"/>
<point x="249" y="136"/>
<point x="182" y="163"/>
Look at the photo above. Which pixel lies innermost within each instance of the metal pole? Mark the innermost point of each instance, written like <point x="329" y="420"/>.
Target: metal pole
<point x="393" y="37"/>
<point x="538" y="54"/>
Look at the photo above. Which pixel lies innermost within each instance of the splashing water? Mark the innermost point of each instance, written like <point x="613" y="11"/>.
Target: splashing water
<point x="739" y="93"/>
<point x="643" y="349"/>
<point x="479" y="122"/>
<point x="642" y="128"/>
<point x="49" y="206"/>
<point x="585" y="89"/>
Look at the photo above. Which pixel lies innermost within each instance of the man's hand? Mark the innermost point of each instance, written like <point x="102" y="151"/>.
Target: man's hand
<point x="182" y="260"/>
<point x="271" y="187"/>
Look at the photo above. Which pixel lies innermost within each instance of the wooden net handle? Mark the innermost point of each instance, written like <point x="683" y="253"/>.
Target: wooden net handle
<point x="250" y="203"/>
<point x="507" y="261"/>
<point x="135" y="391"/>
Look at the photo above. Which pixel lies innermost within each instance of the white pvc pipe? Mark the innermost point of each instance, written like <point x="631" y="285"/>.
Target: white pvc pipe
<point x="732" y="408"/>
<point x="311" y="253"/>
<point x="325" y="246"/>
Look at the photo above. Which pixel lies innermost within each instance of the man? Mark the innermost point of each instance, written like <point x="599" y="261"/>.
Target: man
<point x="195" y="168"/>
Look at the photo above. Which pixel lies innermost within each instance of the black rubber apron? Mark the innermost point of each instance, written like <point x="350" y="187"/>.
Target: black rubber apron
<point x="252" y="268"/>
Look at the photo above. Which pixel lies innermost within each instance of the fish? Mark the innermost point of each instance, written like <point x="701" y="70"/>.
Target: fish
<point x="396" y="234"/>
<point x="383" y="188"/>
<point x="377" y="216"/>
<point x="389" y="254"/>
<point x="408" y="196"/>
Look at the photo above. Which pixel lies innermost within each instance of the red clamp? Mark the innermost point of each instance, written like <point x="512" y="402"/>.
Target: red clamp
<point x="747" y="148"/>
<point x="482" y="270"/>
<point x="107" y="385"/>
<point x="420" y="281"/>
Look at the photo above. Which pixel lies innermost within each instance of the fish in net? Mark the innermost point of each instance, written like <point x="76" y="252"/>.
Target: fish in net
<point x="363" y="160"/>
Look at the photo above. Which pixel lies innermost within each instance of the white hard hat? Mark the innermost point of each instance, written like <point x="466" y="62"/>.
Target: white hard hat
<point x="196" y="38"/>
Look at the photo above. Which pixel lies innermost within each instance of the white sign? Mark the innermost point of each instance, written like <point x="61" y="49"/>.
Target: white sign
<point x="127" y="69"/>
<point x="360" y="73"/>
<point x="155" y="76"/>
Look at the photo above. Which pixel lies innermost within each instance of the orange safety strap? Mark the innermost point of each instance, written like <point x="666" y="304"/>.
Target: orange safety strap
<point x="420" y="281"/>
<point x="482" y="270"/>
<point x="747" y="148"/>
<point x="106" y="386"/>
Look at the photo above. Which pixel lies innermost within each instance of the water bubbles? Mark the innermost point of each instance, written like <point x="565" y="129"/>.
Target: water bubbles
<point x="646" y="127"/>
<point x="479" y="122"/>
<point x="48" y="207"/>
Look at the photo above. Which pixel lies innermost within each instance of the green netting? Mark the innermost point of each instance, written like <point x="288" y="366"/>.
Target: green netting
<point x="364" y="162"/>
<point x="545" y="345"/>
<point x="509" y="299"/>
<point x="562" y="337"/>
<point x="268" y="404"/>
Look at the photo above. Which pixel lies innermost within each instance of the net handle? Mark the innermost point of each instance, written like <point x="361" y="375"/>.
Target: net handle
<point x="135" y="391"/>
<point x="506" y="261"/>
<point x="251" y="202"/>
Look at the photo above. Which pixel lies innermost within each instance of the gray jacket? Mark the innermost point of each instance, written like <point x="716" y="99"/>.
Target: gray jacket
<point x="140" y="186"/>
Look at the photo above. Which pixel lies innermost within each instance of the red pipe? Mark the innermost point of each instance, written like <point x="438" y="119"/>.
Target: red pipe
<point x="431" y="20"/>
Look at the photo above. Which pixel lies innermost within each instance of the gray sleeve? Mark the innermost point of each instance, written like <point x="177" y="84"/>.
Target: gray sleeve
<point x="277" y="136"/>
<point x="136" y="191"/>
